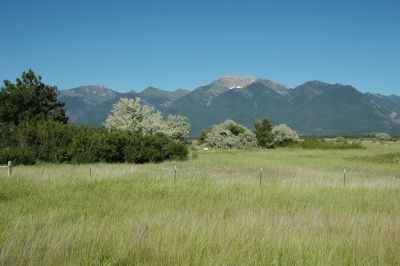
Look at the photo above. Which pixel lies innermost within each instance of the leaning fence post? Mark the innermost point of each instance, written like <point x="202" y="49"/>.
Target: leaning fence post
<point x="9" y="165"/>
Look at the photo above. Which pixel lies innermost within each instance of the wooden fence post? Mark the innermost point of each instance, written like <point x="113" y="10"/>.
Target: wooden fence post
<point x="174" y="174"/>
<point x="9" y="165"/>
<point x="344" y="177"/>
<point x="261" y="175"/>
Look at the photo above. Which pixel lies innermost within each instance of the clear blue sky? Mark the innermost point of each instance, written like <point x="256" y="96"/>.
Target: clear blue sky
<point x="183" y="44"/>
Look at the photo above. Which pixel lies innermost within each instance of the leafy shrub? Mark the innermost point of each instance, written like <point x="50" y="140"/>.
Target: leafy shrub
<point x="18" y="155"/>
<point x="53" y="140"/>
<point x="5" y="135"/>
<point x="56" y="142"/>
<point x="203" y="135"/>
<point x="235" y="129"/>
<point x="156" y="148"/>
<point x="97" y="145"/>
<point x="176" y="151"/>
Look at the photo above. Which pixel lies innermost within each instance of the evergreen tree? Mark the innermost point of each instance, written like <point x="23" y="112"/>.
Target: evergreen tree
<point x="29" y="99"/>
<point x="263" y="132"/>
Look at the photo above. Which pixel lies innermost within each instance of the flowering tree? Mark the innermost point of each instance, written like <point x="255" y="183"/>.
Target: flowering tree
<point x="152" y="121"/>
<point x="177" y="127"/>
<point x="284" y="135"/>
<point x="132" y="115"/>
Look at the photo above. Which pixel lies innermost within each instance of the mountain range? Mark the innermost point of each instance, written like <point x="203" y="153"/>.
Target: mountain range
<point x="313" y="108"/>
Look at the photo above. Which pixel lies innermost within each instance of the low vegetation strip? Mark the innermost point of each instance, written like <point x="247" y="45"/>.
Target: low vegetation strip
<point x="322" y="144"/>
<point x="380" y="158"/>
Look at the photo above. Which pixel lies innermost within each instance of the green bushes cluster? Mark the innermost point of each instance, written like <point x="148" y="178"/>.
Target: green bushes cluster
<point x="231" y="135"/>
<point x="56" y="142"/>
<point x="322" y="144"/>
<point x="17" y="155"/>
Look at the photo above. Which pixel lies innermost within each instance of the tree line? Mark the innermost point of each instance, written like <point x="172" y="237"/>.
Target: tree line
<point x="33" y="127"/>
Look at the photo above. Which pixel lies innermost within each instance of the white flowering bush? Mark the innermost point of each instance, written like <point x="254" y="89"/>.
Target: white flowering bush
<point x="230" y="135"/>
<point x="284" y="135"/>
<point x="132" y="115"/>
<point x="247" y="140"/>
<point x="382" y="137"/>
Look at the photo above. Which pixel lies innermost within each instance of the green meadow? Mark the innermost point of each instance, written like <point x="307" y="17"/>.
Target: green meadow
<point x="220" y="209"/>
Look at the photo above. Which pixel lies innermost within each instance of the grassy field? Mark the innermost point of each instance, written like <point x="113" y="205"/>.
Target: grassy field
<point x="215" y="212"/>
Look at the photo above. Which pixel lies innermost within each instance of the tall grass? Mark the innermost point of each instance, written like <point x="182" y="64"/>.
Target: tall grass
<point x="215" y="212"/>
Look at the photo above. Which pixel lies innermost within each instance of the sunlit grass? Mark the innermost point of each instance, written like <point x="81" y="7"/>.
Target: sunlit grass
<point x="215" y="212"/>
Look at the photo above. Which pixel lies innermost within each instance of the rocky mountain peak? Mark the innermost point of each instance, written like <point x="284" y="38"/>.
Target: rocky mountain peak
<point x="234" y="81"/>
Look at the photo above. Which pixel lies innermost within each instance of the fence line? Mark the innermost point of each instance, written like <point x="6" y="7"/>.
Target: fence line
<point x="200" y="170"/>
<point x="260" y="174"/>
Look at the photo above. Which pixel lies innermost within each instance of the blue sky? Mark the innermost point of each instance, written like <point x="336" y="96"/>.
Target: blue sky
<point x="172" y="44"/>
